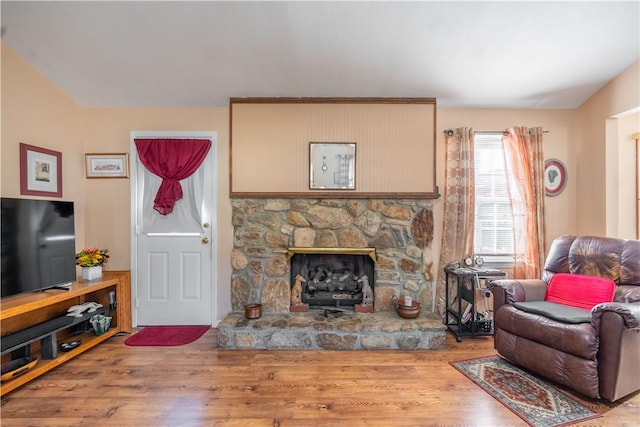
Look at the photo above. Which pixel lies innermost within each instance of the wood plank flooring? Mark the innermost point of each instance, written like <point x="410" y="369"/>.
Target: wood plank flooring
<point x="199" y="385"/>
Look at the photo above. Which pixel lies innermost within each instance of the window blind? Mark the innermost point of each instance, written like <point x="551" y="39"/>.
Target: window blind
<point x="493" y="235"/>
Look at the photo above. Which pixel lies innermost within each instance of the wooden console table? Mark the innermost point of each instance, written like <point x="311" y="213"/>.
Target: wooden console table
<point x="36" y="323"/>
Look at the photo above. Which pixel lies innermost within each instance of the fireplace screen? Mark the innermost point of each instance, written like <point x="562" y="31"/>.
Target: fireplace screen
<point x="335" y="278"/>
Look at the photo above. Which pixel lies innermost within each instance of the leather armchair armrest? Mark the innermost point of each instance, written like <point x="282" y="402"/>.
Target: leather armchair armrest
<point x="617" y="324"/>
<point x="508" y="291"/>
<point x="630" y="313"/>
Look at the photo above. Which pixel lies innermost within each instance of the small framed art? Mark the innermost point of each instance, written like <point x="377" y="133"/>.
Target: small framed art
<point x="40" y="171"/>
<point x="113" y="165"/>
<point x="555" y="177"/>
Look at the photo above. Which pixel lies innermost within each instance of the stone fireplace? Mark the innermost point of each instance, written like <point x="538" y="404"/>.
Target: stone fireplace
<point x="398" y="232"/>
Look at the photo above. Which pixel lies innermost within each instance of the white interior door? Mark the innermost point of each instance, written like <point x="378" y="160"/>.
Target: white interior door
<point x="173" y="282"/>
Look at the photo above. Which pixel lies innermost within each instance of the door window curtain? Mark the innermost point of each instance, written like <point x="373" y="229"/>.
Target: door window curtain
<point x="186" y="217"/>
<point x="459" y="204"/>
<point x="525" y="174"/>
<point x="172" y="160"/>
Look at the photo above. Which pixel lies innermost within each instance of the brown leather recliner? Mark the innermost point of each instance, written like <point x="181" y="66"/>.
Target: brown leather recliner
<point x="600" y="359"/>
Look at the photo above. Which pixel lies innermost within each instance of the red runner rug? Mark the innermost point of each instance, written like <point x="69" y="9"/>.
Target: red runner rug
<point x="163" y="336"/>
<point x="535" y="401"/>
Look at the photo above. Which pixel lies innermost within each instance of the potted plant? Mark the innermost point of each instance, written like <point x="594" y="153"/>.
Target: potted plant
<point x="91" y="260"/>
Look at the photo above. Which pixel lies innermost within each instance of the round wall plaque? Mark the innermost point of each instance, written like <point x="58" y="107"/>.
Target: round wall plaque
<point x="555" y="177"/>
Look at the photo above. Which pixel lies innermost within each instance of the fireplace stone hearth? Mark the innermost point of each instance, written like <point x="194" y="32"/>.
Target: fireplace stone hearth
<point x="313" y="330"/>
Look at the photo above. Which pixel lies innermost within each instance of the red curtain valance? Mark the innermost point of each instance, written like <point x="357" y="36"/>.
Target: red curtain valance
<point x="172" y="160"/>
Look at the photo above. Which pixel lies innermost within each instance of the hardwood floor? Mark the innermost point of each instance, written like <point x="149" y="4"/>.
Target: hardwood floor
<point x="199" y="385"/>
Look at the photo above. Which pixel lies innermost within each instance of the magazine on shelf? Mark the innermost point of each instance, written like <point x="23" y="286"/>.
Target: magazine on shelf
<point x="466" y="311"/>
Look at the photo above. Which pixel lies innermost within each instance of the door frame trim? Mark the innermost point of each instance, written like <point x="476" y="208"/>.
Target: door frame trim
<point x="133" y="173"/>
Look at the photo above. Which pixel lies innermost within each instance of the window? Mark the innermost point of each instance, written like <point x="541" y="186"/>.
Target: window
<point x="493" y="238"/>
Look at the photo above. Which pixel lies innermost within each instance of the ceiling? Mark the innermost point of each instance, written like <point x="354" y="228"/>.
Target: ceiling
<point x="196" y="54"/>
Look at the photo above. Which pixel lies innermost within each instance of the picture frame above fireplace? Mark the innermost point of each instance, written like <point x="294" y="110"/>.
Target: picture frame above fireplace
<point x="332" y="166"/>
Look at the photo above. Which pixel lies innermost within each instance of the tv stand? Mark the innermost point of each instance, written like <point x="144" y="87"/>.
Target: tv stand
<point x="34" y="324"/>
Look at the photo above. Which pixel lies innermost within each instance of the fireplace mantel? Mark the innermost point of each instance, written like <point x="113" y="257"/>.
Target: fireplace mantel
<point x="344" y="251"/>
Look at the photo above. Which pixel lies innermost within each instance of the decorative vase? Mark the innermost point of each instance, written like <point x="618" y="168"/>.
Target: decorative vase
<point x="92" y="273"/>
<point x="407" y="311"/>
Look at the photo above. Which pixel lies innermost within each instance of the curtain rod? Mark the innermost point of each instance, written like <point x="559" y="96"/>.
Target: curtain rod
<point x="504" y="132"/>
<point x="501" y="131"/>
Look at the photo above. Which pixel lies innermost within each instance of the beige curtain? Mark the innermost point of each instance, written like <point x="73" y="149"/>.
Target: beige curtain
<point x="459" y="199"/>
<point x="525" y="167"/>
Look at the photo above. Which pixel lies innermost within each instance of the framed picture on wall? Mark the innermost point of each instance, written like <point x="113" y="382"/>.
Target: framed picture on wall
<point x="555" y="177"/>
<point x="40" y="171"/>
<point x="108" y="165"/>
<point x="332" y="166"/>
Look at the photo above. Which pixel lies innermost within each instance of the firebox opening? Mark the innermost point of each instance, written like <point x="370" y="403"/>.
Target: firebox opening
<point x="334" y="277"/>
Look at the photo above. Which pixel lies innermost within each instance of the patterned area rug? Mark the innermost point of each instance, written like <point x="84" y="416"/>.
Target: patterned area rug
<point x="537" y="403"/>
<point x="166" y="335"/>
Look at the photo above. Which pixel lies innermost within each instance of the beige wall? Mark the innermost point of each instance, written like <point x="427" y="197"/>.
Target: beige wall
<point x="37" y="112"/>
<point x="621" y="175"/>
<point x="596" y="153"/>
<point x="558" y="143"/>
<point x="108" y="201"/>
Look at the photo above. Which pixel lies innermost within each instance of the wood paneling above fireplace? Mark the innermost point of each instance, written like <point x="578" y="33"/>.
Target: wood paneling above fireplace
<point x="269" y="155"/>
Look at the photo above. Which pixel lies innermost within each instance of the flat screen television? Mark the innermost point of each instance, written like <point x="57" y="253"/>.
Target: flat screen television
<point x="38" y="245"/>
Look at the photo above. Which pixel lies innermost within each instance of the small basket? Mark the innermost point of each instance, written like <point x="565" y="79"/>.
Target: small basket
<point x="253" y="311"/>
<point x="480" y="325"/>
<point x="100" y="324"/>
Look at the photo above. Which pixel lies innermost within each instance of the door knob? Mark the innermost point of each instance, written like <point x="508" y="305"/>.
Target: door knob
<point x="205" y="240"/>
<point x="205" y="225"/>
